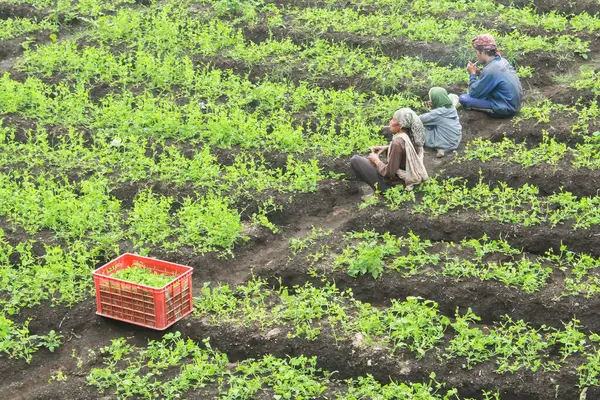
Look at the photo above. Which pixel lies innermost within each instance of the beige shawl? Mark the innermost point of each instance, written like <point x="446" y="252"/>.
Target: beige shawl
<point x="415" y="170"/>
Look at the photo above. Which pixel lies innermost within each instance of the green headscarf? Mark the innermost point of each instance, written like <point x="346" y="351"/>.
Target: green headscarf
<point x="439" y="98"/>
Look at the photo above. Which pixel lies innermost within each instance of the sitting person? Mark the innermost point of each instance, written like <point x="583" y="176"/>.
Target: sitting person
<point x="442" y="127"/>
<point x="496" y="89"/>
<point x="404" y="156"/>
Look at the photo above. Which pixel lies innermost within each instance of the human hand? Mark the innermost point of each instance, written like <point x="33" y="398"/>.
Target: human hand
<point x="374" y="158"/>
<point x="472" y="68"/>
<point x="377" y="149"/>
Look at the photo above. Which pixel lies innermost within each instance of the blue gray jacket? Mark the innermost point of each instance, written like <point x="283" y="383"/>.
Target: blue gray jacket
<point x="498" y="82"/>
<point x="442" y="128"/>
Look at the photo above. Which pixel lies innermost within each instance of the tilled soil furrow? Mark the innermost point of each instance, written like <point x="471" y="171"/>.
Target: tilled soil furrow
<point x="350" y="359"/>
<point x="549" y="179"/>
<point x="490" y="300"/>
<point x="536" y="239"/>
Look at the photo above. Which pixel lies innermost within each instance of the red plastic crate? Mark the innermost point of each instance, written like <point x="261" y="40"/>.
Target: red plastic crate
<point x="140" y="304"/>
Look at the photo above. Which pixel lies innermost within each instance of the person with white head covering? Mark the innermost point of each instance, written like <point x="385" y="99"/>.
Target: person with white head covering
<point x="404" y="156"/>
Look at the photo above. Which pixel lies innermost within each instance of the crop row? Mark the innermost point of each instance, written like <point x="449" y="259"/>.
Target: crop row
<point x="13" y="27"/>
<point x="424" y="28"/>
<point x="86" y="209"/>
<point x="61" y="275"/>
<point x="486" y="259"/>
<point x="49" y="15"/>
<point x="205" y="89"/>
<point x="415" y="325"/>
<point x="587" y="79"/>
<point x="71" y="9"/>
<point x="510" y="16"/>
<point x="142" y="372"/>
<point x="215" y="38"/>
<point x="17" y="342"/>
<point x="99" y="65"/>
<point x="549" y="152"/>
<point x="585" y="106"/>
<point x="313" y="21"/>
<point x="63" y="278"/>
<point x="205" y="118"/>
<point x="479" y="10"/>
<point x="521" y="205"/>
<point x="574" y="123"/>
<point x="133" y="159"/>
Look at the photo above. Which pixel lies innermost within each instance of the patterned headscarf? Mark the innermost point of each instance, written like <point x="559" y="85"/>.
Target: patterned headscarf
<point x="408" y="119"/>
<point x="485" y="42"/>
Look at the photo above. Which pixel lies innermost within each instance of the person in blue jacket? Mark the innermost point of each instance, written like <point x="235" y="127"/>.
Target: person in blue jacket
<point x="442" y="126"/>
<point x="495" y="89"/>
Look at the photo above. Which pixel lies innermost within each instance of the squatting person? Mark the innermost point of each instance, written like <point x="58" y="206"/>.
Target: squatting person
<point x="404" y="156"/>
<point x="495" y="89"/>
<point x="442" y="126"/>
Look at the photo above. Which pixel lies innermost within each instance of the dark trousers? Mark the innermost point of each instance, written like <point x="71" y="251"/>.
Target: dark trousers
<point x="471" y="103"/>
<point x="367" y="172"/>
<point x="475" y="104"/>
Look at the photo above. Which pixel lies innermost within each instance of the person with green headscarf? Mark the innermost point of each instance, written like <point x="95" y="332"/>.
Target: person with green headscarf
<point x="442" y="126"/>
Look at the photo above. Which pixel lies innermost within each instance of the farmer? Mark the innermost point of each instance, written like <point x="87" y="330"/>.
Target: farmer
<point x="496" y="89"/>
<point x="442" y="127"/>
<point x="404" y="156"/>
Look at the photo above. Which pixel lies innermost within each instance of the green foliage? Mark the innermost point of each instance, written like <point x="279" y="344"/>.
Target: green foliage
<point x="588" y="79"/>
<point x="246" y="9"/>
<point x="12" y="27"/>
<point x="540" y="111"/>
<point x="298" y="245"/>
<point x="61" y="276"/>
<point x="42" y="202"/>
<point x="367" y="256"/>
<point x="415" y="324"/>
<point x="143" y="276"/>
<point x="501" y="203"/>
<point x="400" y="21"/>
<point x="150" y="219"/>
<point x="549" y="151"/>
<point x="172" y="366"/>
<point x="412" y="255"/>
<point x="529" y="275"/>
<point x="308" y="310"/>
<point x="209" y="224"/>
<point x="368" y="252"/>
<point x="514" y="344"/>
<point x="139" y="98"/>
<point x="368" y="387"/>
<point x="589" y="373"/>
<point x="581" y="269"/>
<point x="17" y="342"/>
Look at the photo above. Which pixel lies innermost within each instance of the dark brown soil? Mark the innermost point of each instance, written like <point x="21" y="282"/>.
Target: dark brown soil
<point x="488" y="299"/>
<point x="476" y="124"/>
<point x="567" y="7"/>
<point x="345" y="357"/>
<point x="20" y="11"/>
<point x="334" y="206"/>
<point x="545" y="64"/>
<point x="549" y="178"/>
<point x="535" y="240"/>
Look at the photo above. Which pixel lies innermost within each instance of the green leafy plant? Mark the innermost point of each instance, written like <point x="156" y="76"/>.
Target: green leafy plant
<point x="143" y="276"/>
